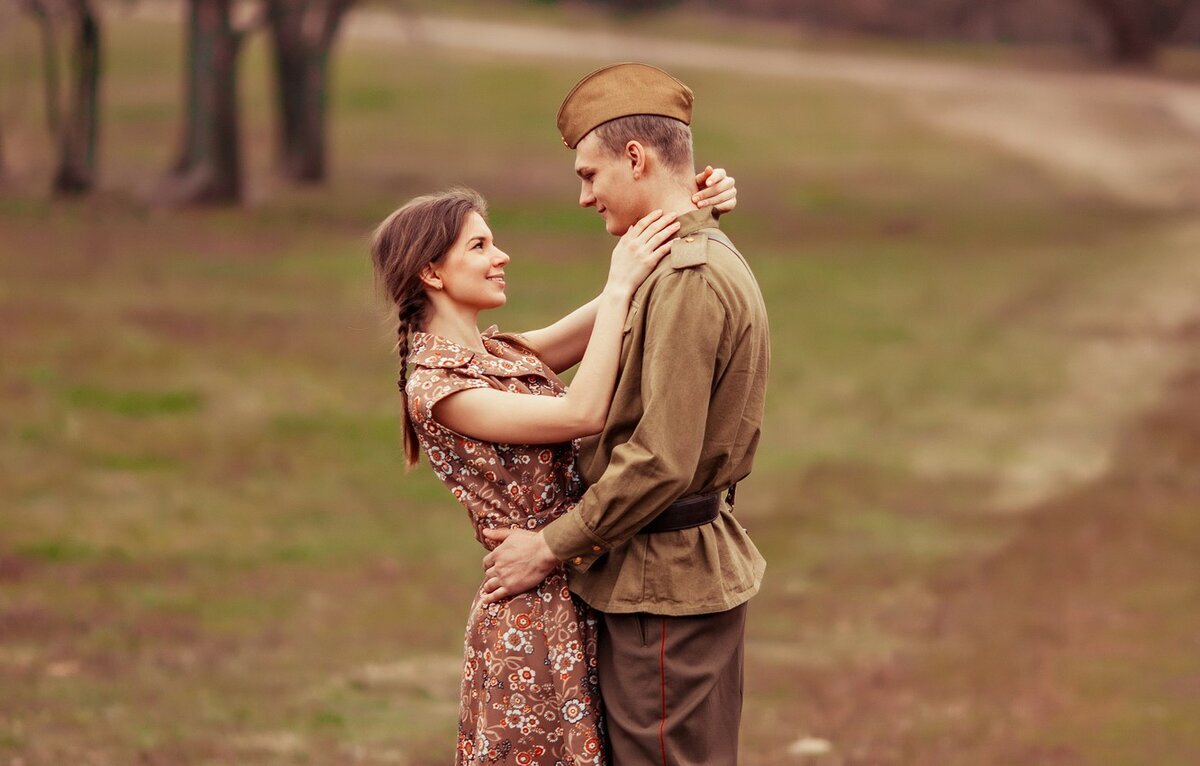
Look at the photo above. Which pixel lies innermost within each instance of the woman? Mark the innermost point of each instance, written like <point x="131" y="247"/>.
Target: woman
<point x="529" y="692"/>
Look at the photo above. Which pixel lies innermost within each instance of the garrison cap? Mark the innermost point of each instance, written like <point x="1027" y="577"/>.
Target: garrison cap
<point x="620" y="90"/>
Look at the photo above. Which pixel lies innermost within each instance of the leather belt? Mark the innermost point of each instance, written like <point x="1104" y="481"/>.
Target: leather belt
<point x="688" y="512"/>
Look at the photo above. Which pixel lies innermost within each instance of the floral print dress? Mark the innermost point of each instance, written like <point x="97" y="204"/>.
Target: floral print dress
<point x="530" y="694"/>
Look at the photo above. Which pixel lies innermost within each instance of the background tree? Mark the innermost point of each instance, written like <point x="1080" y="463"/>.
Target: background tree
<point x="75" y="133"/>
<point x="208" y="168"/>
<point x="77" y="140"/>
<point x="1137" y="29"/>
<point x="303" y="33"/>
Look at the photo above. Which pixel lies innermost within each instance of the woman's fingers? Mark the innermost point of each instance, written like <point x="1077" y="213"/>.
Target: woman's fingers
<point x="667" y="233"/>
<point x="658" y="225"/>
<point x="718" y="199"/>
<point x="645" y="221"/>
<point x="662" y="250"/>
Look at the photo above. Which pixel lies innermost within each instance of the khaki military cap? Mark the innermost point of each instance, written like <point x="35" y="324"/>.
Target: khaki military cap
<point x="619" y="90"/>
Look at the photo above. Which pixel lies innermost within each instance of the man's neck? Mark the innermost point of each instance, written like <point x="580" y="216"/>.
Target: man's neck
<point x="675" y="201"/>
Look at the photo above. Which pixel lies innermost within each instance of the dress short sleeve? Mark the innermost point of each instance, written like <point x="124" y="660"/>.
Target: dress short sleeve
<point x="428" y="386"/>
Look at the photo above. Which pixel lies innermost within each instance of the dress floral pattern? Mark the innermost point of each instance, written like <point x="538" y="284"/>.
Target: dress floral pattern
<point x="530" y="693"/>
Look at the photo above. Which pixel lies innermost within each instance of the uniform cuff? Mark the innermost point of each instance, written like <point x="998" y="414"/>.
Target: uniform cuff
<point x="572" y="542"/>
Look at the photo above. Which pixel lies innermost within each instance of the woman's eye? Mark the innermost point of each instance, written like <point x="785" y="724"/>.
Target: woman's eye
<point x="478" y="245"/>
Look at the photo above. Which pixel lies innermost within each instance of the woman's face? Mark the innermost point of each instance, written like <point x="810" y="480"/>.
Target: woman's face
<point x="473" y="271"/>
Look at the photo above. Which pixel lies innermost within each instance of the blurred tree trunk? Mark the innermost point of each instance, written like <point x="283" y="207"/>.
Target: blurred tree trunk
<point x="1137" y="29"/>
<point x="208" y="168"/>
<point x="76" y="135"/>
<point x="77" y="155"/>
<point x="303" y="32"/>
<point x="50" y="88"/>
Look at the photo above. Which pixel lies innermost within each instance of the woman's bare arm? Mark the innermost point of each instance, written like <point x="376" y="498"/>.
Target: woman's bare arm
<point x="561" y="345"/>
<point x="500" y="416"/>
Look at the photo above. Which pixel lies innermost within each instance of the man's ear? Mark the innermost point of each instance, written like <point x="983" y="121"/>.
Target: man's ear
<point x="635" y="155"/>
<point x="430" y="278"/>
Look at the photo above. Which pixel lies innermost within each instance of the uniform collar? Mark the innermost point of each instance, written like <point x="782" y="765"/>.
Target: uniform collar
<point x="695" y="220"/>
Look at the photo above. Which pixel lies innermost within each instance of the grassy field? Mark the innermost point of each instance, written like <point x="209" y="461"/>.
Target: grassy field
<point x="210" y="552"/>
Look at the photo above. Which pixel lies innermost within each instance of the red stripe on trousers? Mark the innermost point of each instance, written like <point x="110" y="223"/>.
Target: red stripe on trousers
<point x="662" y="669"/>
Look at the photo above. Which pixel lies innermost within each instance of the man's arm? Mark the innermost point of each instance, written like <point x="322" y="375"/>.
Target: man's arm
<point x="685" y="322"/>
<point x="684" y="326"/>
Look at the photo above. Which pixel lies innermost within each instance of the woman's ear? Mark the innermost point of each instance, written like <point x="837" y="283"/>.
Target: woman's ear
<point x="430" y="278"/>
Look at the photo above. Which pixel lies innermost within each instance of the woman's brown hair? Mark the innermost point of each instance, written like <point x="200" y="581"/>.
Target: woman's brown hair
<point x="408" y="240"/>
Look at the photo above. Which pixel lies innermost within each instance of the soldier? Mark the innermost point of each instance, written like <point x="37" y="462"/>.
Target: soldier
<point x="653" y="544"/>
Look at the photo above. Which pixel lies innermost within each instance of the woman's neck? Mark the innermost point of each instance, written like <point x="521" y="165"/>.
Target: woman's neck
<point x="462" y="329"/>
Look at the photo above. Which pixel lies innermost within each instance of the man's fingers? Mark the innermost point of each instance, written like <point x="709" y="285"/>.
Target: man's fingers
<point x="500" y="535"/>
<point x="495" y="594"/>
<point x="716" y="177"/>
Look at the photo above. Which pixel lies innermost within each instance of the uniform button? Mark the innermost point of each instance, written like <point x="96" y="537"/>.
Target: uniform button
<point x="689" y="239"/>
<point x="578" y="560"/>
<point x="596" y="549"/>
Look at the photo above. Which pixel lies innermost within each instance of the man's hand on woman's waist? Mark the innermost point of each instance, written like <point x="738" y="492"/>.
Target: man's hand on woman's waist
<point x="518" y="564"/>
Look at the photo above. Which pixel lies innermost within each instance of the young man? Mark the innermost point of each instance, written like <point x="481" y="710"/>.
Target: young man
<point x="653" y="545"/>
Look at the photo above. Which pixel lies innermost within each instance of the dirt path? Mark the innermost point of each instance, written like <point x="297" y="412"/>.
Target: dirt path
<point x="1137" y="138"/>
<point x="1075" y="644"/>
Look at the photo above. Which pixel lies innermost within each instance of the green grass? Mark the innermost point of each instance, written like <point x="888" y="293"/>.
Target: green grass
<point x="205" y="510"/>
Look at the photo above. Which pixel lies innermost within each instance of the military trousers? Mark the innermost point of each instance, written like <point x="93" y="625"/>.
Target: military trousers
<point x="672" y="687"/>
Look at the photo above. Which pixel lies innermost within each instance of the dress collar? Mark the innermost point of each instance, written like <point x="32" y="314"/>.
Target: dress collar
<point x="502" y="359"/>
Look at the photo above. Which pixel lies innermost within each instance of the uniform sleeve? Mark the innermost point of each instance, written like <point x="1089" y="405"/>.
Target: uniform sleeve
<point x="684" y="325"/>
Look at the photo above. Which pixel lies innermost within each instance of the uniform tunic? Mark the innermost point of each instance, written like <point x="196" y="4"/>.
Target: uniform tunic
<point x="685" y="420"/>
<point x="529" y="692"/>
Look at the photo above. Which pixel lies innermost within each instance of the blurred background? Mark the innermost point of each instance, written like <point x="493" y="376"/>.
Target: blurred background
<point x="978" y="490"/>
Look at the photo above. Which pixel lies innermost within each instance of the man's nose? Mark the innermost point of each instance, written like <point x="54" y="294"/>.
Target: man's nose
<point x="586" y="198"/>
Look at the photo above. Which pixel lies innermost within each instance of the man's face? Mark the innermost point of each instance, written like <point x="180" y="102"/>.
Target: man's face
<point x="607" y="184"/>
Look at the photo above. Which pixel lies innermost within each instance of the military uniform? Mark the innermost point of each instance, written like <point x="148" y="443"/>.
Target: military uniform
<point x="684" y="422"/>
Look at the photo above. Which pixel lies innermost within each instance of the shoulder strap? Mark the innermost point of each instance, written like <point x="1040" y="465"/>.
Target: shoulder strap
<point x="716" y="235"/>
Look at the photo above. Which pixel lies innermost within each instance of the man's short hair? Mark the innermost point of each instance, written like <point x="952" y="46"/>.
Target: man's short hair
<point x="669" y="137"/>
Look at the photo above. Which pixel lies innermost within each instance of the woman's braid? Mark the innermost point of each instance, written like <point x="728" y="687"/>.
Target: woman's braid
<point x="408" y="319"/>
